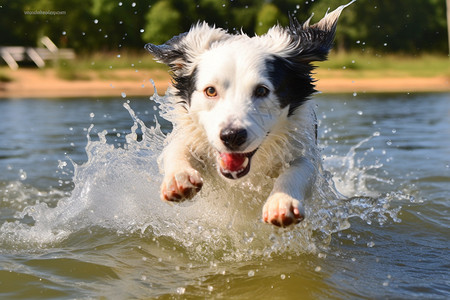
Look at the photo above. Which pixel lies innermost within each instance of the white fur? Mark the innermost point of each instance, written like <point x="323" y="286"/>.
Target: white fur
<point x="285" y="144"/>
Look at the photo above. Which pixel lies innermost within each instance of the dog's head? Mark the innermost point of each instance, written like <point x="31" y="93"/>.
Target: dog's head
<point x="242" y="89"/>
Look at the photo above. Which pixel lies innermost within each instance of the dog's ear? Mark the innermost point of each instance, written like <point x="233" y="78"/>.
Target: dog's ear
<point x="182" y="49"/>
<point x="170" y="53"/>
<point x="313" y="42"/>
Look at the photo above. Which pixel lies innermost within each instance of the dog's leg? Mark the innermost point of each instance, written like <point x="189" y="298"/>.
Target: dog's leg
<point x="284" y="205"/>
<point x="181" y="181"/>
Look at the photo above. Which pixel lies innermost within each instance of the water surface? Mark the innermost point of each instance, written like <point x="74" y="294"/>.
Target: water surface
<point x="80" y="215"/>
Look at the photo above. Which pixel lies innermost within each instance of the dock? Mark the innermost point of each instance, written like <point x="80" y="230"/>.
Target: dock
<point x="12" y="55"/>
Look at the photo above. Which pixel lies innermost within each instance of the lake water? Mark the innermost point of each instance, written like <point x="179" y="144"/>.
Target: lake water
<point x="81" y="217"/>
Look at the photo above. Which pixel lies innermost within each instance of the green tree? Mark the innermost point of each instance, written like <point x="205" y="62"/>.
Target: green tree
<point x="163" y="22"/>
<point x="411" y="26"/>
<point x="268" y="16"/>
<point x="14" y="25"/>
<point x="119" y="24"/>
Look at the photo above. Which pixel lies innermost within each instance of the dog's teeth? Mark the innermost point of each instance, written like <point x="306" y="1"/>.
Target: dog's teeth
<point x="244" y="165"/>
<point x="223" y="165"/>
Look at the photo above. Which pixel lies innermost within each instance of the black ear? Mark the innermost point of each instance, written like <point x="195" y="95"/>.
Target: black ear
<point x="171" y="53"/>
<point x="181" y="50"/>
<point x="313" y="43"/>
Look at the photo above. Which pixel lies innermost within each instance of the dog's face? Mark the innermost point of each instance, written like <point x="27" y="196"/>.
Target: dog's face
<point x="244" y="89"/>
<point x="236" y="102"/>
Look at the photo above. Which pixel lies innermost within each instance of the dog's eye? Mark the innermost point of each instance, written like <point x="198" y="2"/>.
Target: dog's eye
<point x="261" y="91"/>
<point x="210" y="92"/>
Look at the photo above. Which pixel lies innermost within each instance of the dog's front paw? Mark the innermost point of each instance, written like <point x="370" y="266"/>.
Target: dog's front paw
<point x="181" y="186"/>
<point x="282" y="210"/>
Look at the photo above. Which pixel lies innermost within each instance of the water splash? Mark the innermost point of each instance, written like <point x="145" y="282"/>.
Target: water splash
<point x="117" y="189"/>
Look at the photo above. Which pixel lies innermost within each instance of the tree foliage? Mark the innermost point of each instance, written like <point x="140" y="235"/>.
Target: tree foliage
<point x="163" y="22"/>
<point x="412" y="26"/>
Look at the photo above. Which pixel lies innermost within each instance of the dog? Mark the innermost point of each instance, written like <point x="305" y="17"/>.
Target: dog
<point x="242" y="107"/>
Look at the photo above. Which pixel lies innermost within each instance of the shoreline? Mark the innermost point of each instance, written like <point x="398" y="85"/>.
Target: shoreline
<point x="32" y="83"/>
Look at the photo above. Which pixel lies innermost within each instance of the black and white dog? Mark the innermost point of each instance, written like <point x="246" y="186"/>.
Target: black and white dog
<point x="242" y="108"/>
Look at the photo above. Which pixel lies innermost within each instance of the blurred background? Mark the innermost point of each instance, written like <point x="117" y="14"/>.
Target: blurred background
<point x="414" y="26"/>
<point x="375" y="38"/>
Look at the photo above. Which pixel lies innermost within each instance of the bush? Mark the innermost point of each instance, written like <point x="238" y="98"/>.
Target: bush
<point x="163" y="22"/>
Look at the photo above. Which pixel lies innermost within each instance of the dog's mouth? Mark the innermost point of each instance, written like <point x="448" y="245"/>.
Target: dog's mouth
<point x="235" y="165"/>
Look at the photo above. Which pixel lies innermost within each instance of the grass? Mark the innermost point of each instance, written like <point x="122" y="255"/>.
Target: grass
<point x="100" y="65"/>
<point x="113" y="66"/>
<point x="379" y="66"/>
<point x="5" y="77"/>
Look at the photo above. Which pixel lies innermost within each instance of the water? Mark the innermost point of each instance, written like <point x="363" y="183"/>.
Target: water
<point x="81" y="217"/>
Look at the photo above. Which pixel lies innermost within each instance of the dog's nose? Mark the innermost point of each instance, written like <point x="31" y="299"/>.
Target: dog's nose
<point x="233" y="138"/>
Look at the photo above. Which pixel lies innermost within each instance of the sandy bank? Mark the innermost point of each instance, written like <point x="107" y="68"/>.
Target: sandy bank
<point x="31" y="83"/>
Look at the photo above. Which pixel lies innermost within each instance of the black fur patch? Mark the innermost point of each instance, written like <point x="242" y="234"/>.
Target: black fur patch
<point x="185" y="86"/>
<point x="292" y="81"/>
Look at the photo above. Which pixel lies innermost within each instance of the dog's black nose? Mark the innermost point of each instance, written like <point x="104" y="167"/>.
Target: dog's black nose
<point x="233" y="138"/>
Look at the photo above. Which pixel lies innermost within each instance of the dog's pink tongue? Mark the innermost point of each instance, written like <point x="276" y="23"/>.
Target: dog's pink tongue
<point x="232" y="161"/>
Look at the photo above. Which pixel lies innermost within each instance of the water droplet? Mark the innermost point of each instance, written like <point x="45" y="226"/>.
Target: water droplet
<point x="141" y="31"/>
<point x="370" y="244"/>
<point x="95" y="21"/>
<point x="61" y="164"/>
<point x="124" y="95"/>
<point x="63" y="33"/>
<point x="360" y="112"/>
<point x="394" y="130"/>
<point x="181" y="290"/>
<point x="318" y="269"/>
<point x="133" y="4"/>
<point x="22" y="174"/>
<point x="385" y="44"/>
<point x="118" y="55"/>
<point x="282" y="276"/>
<point x="210" y="288"/>
<point x="251" y="273"/>
<point x="92" y="115"/>
<point x="376" y="133"/>
<point x="389" y="143"/>
<point x="355" y="94"/>
<point x="120" y="3"/>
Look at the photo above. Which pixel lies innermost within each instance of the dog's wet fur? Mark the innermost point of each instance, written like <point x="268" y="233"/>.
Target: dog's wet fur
<point x="242" y="106"/>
